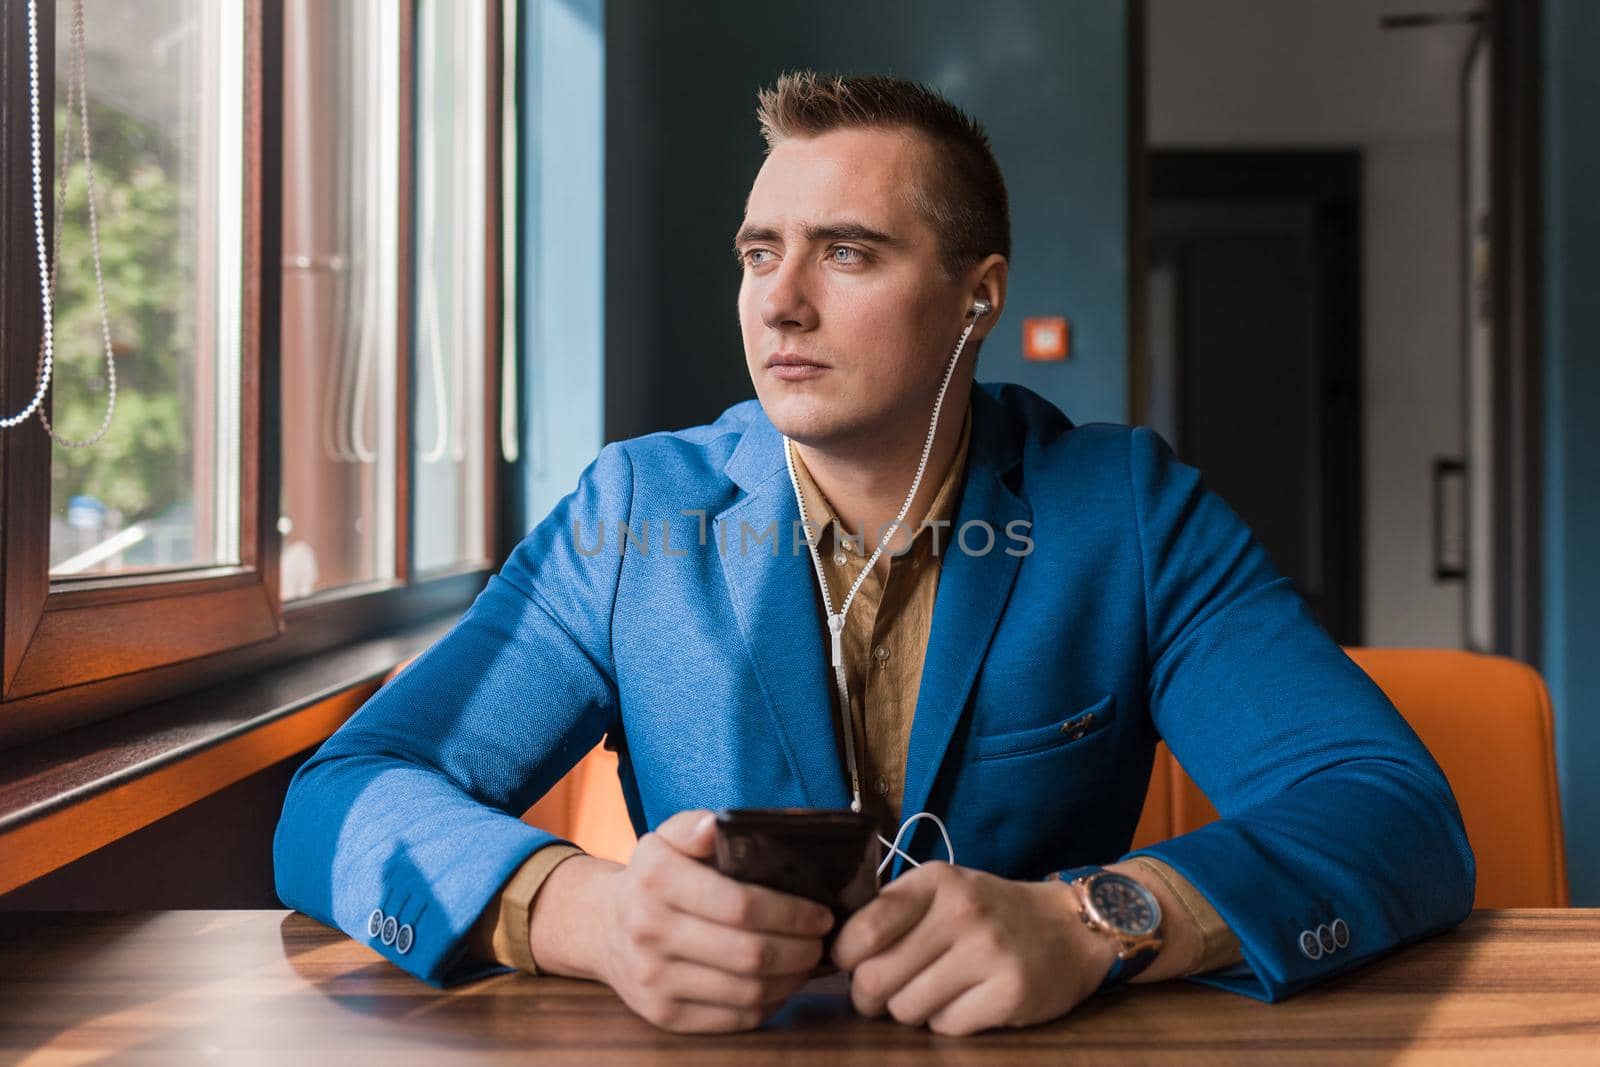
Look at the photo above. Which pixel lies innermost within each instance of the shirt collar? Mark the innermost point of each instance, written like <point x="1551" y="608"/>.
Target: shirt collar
<point x="821" y="515"/>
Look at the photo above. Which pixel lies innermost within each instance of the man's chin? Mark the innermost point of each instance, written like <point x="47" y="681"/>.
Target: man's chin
<point x="806" y="419"/>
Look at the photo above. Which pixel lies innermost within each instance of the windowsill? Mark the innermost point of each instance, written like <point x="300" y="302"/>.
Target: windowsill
<point x="66" y="795"/>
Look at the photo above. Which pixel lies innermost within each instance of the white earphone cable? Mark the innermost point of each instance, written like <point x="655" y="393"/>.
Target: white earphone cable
<point x="894" y="846"/>
<point x="836" y="619"/>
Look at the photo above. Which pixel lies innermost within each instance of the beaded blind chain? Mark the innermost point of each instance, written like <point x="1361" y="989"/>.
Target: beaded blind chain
<point x="49" y="263"/>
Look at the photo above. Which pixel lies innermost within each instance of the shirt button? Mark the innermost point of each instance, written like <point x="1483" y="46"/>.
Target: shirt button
<point x="882" y="786"/>
<point x="882" y="652"/>
<point x="839" y="559"/>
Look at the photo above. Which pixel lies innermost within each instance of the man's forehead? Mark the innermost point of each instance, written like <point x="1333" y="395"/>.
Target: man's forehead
<point x="841" y="179"/>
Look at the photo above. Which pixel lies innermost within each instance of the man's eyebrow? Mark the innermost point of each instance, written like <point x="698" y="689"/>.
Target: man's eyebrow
<point x="844" y="230"/>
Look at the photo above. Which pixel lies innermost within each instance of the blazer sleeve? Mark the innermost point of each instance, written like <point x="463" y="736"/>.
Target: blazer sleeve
<point x="404" y="824"/>
<point x="1339" y="838"/>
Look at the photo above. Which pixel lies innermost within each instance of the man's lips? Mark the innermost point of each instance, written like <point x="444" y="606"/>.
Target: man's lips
<point x="790" y="359"/>
<point x="794" y="372"/>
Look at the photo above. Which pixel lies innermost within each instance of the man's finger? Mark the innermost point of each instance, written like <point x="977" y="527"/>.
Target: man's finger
<point x="880" y="978"/>
<point x="697" y="983"/>
<point x="692" y="1017"/>
<point x="921" y="989"/>
<point x="886" y="919"/>
<point x="692" y="832"/>
<point x="742" y="952"/>
<point x="970" y="1011"/>
<point x="695" y="889"/>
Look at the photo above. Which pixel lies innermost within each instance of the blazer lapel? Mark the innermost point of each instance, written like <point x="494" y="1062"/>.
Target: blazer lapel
<point x="776" y="603"/>
<point x="971" y="598"/>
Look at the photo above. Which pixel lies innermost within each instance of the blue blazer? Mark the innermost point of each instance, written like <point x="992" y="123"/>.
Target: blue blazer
<point x="1142" y="597"/>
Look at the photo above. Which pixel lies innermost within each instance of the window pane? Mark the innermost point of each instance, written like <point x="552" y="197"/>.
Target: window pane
<point x="451" y="329"/>
<point x="341" y="247"/>
<point x="165" y="101"/>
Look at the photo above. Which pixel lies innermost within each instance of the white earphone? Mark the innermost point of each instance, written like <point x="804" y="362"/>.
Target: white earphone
<point x="980" y="307"/>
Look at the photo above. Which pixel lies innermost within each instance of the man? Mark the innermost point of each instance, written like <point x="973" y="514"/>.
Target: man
<point x="1088" y="596"/>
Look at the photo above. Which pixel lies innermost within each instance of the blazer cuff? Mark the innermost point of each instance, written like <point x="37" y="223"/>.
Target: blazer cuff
<point x="1219" y="946"/>
<point x="501" y="931"/>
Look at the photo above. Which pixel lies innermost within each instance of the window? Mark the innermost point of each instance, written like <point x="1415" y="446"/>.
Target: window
<point x="302" y="289"/>
<point x="341" y="328"/>
<point x="165" y="97"/>
<point x="452" y="316"/>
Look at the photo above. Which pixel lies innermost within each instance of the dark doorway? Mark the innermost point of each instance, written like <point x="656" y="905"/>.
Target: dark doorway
<point x="1253" y="351"/>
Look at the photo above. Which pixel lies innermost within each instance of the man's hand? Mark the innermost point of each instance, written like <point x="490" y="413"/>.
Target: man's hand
<point x="963" y="950"/>
<point x="692" y="950"/>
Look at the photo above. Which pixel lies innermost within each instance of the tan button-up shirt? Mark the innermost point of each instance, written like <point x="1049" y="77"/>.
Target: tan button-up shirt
<point x="886" y="629"/>
<point x="885" y="640"/>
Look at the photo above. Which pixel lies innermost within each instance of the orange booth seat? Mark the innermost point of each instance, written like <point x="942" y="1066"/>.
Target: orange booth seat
<point x="1485" y="719"/>
<point x="1487" y="722"/>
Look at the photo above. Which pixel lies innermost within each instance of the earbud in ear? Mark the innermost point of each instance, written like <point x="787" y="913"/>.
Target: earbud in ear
<point x="980" y="306"/>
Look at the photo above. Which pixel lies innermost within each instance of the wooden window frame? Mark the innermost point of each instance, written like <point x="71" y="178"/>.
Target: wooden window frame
<point x="83" y="651"/>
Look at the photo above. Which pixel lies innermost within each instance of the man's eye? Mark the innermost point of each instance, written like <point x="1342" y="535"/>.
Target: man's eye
<point x="851" y="252"/>
<point x="748" y="256"/>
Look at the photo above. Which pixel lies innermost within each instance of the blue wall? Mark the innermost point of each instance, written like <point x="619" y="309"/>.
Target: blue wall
<point x="1048" y="81"/>
<point x="1572" y="430"/>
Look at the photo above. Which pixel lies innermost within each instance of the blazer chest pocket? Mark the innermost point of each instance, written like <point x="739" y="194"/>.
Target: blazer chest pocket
<point x="1054" y="735"/>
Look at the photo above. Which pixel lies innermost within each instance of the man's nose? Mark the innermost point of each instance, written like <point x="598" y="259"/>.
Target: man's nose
<point x="787" y="302"/>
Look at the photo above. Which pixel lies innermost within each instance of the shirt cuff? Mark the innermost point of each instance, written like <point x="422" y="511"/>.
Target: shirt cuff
<point x="1219" y="946"/>
<point x="501" y="931"/>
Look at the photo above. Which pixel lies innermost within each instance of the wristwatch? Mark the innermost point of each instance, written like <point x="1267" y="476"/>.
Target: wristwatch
<point x="1117" y="907"/>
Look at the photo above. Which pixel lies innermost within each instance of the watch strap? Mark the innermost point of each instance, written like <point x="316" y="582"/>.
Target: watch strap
<point x="1122" y="970"/>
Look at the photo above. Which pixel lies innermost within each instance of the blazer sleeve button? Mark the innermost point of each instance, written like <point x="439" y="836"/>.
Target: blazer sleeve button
<point x="375" y="922"/>
<point x="1310" y="945"/>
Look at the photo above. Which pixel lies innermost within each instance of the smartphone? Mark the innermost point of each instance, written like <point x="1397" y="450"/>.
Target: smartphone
<point x="829" y="856"/>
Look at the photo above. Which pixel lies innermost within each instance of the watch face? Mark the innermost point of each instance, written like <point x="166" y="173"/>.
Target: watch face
<point x="1125" y="904"/>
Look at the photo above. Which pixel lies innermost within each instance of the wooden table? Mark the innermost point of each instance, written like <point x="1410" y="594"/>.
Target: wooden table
<point x="276" y="987"/>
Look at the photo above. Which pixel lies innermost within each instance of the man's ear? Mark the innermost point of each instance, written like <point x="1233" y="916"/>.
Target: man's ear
<point x="988" y="280"/>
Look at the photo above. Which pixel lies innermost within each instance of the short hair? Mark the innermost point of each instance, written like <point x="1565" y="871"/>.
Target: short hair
<point x="962" y="194"/>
